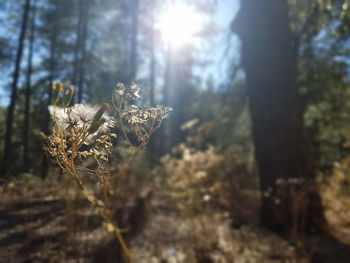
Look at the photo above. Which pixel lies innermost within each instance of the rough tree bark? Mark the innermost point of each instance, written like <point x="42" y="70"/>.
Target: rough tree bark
<point x="290" y="203"/>
<point x="11" y="108"/>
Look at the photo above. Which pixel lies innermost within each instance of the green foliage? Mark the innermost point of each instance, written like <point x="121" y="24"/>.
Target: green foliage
<point x="322" y="32"/>
<point x="327" y="113"/>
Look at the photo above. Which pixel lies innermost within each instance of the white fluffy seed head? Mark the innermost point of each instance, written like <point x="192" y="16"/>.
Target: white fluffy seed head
<point x="80" y="115"/>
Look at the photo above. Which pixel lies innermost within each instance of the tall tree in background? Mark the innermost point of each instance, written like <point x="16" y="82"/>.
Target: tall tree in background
<point x="84" y="29"/>
<point x="152" y="70"/>
<point x="53" y="39"/>
<point x="163" y="142"/>
<point x="134" y="39"/>
<point x="77" y="43"/>
<point x="180" y="92"/>
<point x="11" y="108"/>
<point x="79" y="54"/>
<point x="26" y="123"/>
<point x="269" y="58"/>
<point x="152" y="66"/>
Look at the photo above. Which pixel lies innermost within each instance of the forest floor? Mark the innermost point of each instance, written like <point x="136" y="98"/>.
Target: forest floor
<point x="41" y="222"/>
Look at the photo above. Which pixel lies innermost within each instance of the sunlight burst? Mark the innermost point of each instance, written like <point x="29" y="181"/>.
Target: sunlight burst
<point x="179" y="24"/>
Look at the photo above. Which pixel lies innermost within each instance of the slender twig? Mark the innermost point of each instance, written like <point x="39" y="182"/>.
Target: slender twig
<point x="118" y="110"/>
<point x="94" y="201"/>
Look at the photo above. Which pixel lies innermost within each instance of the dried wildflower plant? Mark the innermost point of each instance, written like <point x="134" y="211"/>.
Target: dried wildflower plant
<point x="83" y="131"/>
<point x="142" y="122"/>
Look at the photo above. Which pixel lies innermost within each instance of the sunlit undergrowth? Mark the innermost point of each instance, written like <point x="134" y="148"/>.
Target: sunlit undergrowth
<point x="204" y="178"/>
<point x="82" y="138"/>
<point x="335" y="188"/>
<point x="195" y="177"/>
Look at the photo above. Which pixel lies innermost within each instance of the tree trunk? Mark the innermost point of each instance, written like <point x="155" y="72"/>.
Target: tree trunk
<point x="52" y="66"/>
<point x="11" y="108"/>
<point x="152" y="58"/>
<point x="290" y="203"/>
<point x="152" y="77"/>
<point x="134" y="41"/>
<point x="81" y="80"/>
<point x="163" y="142"/>
<point x="181" y="93"/>
<point x="77" y="45"/>
<point x="26" y="124"/>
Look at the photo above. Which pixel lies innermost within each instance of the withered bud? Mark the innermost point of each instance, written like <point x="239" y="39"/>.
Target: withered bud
<point x="57" y="89"/>
<point x="120" y="88"/>
<point x="98" y="115"/>
<point x="68" y="95"/>
<point x="96" y="125"/>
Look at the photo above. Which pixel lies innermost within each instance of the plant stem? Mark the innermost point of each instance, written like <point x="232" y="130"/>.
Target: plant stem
<point x="100" y="211"/>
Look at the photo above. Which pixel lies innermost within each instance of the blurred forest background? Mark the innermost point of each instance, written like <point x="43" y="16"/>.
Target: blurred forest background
<point x="252" y="164"/>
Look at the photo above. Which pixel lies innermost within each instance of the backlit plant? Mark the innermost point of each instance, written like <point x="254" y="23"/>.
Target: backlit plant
<point x="84" y="131"/>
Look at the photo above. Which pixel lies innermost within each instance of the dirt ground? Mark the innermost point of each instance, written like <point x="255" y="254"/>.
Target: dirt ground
<point x="39" y="225"/>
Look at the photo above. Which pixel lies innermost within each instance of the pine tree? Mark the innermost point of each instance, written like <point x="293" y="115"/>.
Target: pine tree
<point x="14" y="88"/>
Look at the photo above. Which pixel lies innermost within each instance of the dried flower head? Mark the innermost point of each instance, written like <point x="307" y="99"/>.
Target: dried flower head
<point x="81" y="116"/>
<point x="139" y="115"/>
<point x="131" y="92"/>
<point x="142" y="122"/>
